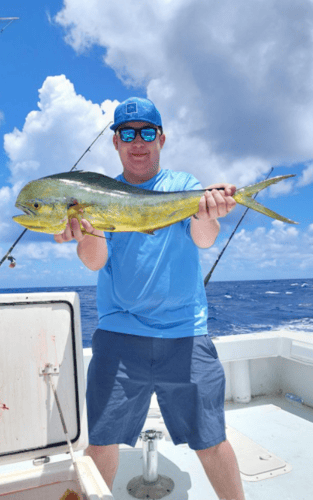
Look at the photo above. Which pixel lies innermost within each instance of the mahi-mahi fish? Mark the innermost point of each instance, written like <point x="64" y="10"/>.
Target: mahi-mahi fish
<point x="110" y="205"/>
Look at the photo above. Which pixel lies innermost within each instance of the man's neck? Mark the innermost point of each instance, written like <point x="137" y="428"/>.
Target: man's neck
<point x="134" y="179"/>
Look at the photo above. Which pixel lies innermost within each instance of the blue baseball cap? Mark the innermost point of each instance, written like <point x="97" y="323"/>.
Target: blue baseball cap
<point x="136" y="109"/>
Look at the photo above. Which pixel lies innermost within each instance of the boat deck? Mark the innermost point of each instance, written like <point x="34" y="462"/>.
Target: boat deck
<point x="283" y="429"/>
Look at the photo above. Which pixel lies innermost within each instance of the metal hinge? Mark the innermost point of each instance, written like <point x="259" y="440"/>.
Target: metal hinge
<point x="49" y="369"/>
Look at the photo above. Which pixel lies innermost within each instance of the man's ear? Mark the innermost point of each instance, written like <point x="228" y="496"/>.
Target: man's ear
<point x="162" y="140"/>
<point x="115" y="141"/>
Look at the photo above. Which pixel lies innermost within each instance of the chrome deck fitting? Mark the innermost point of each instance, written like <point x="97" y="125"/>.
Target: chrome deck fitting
<point x="151" y="484"/>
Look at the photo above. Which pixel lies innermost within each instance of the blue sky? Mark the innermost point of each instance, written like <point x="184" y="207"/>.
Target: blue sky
<point x="233" y="82"/>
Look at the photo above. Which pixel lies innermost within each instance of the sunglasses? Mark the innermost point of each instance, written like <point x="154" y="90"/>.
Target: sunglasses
<point x="128" y="134"/>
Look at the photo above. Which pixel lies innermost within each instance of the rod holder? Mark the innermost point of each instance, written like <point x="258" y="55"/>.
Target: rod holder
<point x="150" y="484"/>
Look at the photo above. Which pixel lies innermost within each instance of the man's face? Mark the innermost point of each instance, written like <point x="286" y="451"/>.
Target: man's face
<point x="140" y="159"/>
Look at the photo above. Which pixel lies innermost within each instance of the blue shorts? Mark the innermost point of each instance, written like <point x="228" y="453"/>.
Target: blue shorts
<point x="185" y="373"/>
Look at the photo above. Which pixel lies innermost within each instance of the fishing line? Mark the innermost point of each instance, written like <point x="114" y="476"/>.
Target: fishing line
<point x="7" y="255"/>
<point x="208" y="276"/>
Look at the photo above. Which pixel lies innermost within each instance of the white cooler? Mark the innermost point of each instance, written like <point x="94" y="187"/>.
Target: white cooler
<point x="41" y="350"/>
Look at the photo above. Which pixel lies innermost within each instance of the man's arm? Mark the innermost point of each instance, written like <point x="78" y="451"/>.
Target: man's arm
<point x="92" y="251"/>
<point x="213" y="204"/>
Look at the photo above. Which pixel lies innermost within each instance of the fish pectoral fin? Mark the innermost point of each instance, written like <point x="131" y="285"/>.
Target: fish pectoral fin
<point x="91" y="234"/>
<point x="75" y="209"/>
<point x="103" y="227"/>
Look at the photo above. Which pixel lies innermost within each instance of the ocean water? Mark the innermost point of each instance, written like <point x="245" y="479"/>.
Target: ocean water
<point x="234" y="307"/>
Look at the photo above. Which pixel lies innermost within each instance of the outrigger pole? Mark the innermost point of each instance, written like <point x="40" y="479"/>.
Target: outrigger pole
<point x="7" y="255"/>
<point x="10" y="21"/>
<point x="208" y="276"/>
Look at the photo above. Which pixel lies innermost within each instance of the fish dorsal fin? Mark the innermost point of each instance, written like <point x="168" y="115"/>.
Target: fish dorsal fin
<point x="97" y="180"/>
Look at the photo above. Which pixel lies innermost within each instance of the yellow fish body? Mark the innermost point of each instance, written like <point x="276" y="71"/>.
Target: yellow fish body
<point x="110" y="205"/>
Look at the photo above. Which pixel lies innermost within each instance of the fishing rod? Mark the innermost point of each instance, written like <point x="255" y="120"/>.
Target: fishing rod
<point x="88" y="149"/>
<point x="208" y="276"/>
<point x="7" y="255"/>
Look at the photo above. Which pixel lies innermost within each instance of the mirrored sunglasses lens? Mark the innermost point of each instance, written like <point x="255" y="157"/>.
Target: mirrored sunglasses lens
<point x="127" y="135"/>
<point x="148" y="134"/>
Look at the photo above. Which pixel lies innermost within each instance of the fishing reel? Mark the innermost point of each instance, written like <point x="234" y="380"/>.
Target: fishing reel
<point x="12" y="262"/>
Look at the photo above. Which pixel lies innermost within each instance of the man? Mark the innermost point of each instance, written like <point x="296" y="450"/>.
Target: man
<point x="152" y="331"/>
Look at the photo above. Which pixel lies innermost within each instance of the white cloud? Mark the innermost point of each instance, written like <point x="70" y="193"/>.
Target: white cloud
<point x="256" y="254"/>
<point x="281" y="246"/>
<point x="278" y="242"/>
<point x="281" y="188"/>
<point x="268" y="264"/>
<point x="45" y="251"/>
<point x="1" y="117"/>
<point x="55" y="136"/>
<point x="307" y="176"/>
<point x="5" y="196"/>
<point x="232" y="77"/>
<point x="4" y="228"/>
<point x="283" y="231"/>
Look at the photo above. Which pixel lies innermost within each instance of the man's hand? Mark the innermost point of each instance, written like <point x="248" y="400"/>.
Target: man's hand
<point x="73" y="231"/>
<point x="213" y="204"/>
<point x="216" y="203"/>
<point x="93" y="252"/>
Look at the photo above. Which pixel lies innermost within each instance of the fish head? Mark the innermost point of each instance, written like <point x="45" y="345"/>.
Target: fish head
<point x="45" y="210"/>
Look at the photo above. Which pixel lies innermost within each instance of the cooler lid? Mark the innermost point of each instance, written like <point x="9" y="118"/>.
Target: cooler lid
<point x="36" y="330"/>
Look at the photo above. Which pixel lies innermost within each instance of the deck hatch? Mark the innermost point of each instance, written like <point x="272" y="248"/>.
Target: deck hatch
<point x="255" y="462"/>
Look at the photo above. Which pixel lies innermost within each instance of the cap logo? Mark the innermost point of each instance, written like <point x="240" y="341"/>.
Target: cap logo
<point x="131" y="108"/>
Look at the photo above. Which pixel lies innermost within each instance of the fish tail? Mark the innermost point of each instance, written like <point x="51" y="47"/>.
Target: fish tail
<point x="244" y="197"/>
<point x="255" y="188"/>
